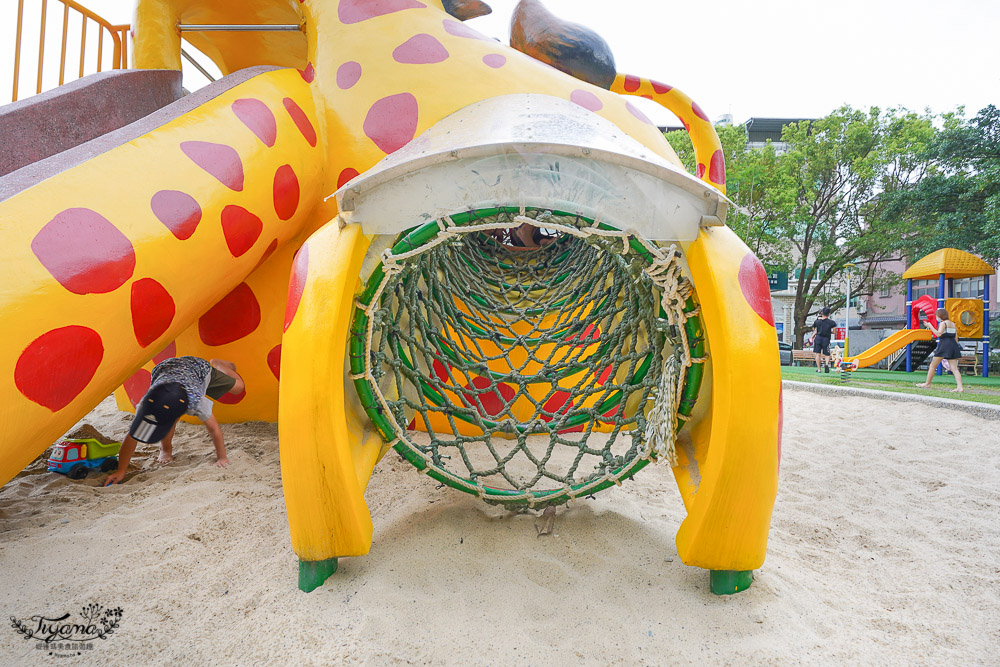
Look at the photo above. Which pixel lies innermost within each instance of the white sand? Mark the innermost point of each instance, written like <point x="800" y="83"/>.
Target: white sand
<point x="884" y="549"/>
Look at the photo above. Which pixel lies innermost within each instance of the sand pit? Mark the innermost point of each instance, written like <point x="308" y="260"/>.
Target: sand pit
<point x="884" y="548"/>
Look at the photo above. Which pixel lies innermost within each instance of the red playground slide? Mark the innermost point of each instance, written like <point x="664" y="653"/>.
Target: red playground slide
<point x="927" y="305"/>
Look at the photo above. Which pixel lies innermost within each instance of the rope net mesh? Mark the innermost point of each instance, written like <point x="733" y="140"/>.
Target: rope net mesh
<point x="527" y="375"/>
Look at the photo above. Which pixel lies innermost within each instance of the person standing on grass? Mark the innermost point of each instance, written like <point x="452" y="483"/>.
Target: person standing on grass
<point x="822" y="328"/>
<point x="947" y="349"/>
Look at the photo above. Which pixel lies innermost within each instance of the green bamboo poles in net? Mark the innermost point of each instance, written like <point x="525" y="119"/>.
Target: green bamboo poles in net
<point x="527" y="376"/>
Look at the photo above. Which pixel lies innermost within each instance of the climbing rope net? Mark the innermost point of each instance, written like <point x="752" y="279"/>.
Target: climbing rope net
<point x="527" y="375"/>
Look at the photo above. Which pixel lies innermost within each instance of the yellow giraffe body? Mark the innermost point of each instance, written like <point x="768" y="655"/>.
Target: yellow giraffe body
<point x="328" y="449"/>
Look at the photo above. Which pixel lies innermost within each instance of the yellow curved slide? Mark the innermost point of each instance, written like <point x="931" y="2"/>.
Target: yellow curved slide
<point x="884" y="348"/>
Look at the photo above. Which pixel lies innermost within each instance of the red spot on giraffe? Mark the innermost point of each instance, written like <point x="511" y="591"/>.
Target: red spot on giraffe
<point x="632" y="109"/>
<point x="55" y="367"/>
<point x="232" y="399"/>
<point x="137" y="386"/>
<point x="586" y="99"/>
<point x="440" y="370"/>
<point x="308" y="74"/>
<point x="660" y="88"/>
<point x="757" y="292"/>
<point x="241" y="229"/>
<point x="235" y="316"/>
<point x="152" y="310"/>
<point x="392" y="121"/>
<point x="345" y="176"/>
<point x="219" y="160"/>
<point x="697" y="111"/>
<point x="700" y="170"/>
<point x="169" y="352"/>
<point x="178" y="211"/>
<point x="296" y="284"/>
<point x="421" y="49"/>
<point x="717" y="168"/>
<point x="348" y="74"/>
<point x="355" y="11"/>
<point x="492" y="402"/>
<point x="286" y="192"/>
<point x="301" y="120"/>
<point x="84" y="252"/>
<point x="267" y="254"/>
<point x="256" y="116"/>
<point x="274" y="361"/>
<point x="631" y="83"/>
<point x="648" y="97"/>
<point x="459" y="29"/>
<point x="495" y="60"/>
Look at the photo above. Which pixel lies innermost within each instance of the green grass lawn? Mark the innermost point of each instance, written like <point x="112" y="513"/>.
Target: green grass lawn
<point x="977" y="388"/>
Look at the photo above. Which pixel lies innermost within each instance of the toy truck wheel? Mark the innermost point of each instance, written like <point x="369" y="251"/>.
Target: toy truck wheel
<point x="109" y="464"/>
<point x="77" y="472"/>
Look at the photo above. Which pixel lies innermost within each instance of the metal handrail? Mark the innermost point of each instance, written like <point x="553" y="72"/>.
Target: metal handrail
<point x="117" y="34"/>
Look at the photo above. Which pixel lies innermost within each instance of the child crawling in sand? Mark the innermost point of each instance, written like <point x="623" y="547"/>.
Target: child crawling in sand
<point x="179" y="386"/>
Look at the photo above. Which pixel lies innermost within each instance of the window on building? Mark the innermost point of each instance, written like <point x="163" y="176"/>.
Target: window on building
<point x="885" y="292"/>
<point x="925" y="287"/>
<point x="970" y="288"/>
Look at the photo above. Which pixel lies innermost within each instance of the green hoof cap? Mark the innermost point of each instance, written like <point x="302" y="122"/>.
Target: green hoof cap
<point x="727" y="582"/>
<point x="312" y="573"/>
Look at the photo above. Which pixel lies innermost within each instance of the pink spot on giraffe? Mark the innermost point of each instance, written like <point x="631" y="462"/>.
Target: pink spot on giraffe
<point x="219" y="160"/>
<point x="345" y="176"/>
<point x="632" y="109"/>
<point x="660" y="88"/>
<point x="178" y="211"/>
<point x="58" y="365"/>
<point x="301" y="120"/>
<point x="241" y="229"/>
<point x="757" y="292"/>
<point x="586" y="99"/>
<point x="152" y="310"/>
<point x="237" y="315"/>
<point x="137" y="386"/>
<point x="274" y="361"/>
<point x="169" y="352"/>
<point x="286" y="192"/>
<point x="459" y="29"/>
<point x="348" y="74"/>
<point x="355" y="11"/>
<point x="233" y="399"/>
<point x="392" y="121"/>
<point x="84" y="252"/>
<point x="489" y="403"/>
<point x="700" y="170"/>
<point x="296" y="284"/>
<point x="308" y="74"/>
<point x="717" y="168"/>
<point x="421" y="49"/>
<point x="697" y="111"/>
<point x="495" y="60"/>
<point x="256" y="116"/>
<point x="631" y="83"/>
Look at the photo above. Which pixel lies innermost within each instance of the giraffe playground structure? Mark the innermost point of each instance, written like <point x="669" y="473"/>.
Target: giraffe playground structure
<point x="343" y="216"/>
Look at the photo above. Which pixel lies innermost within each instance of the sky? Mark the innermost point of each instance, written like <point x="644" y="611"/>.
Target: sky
<point x="772" y="58"/>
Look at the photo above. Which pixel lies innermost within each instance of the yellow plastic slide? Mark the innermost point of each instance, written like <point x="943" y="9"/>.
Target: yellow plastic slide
<point x="884" y="348"/>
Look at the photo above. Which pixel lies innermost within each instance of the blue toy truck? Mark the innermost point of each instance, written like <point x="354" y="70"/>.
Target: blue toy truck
<point x="73" y="457"/>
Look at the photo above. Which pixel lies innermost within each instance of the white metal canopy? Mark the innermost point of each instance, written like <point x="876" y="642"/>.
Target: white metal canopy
<point x="535" y="151"/>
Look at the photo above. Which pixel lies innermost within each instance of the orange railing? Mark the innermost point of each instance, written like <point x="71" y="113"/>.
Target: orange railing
<point x="116" y="33"/>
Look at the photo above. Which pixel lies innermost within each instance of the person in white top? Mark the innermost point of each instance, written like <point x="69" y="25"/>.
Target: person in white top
<point x="948" y="348"/>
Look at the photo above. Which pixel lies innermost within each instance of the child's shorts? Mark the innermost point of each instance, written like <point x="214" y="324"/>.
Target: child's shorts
<point x="219" y="384"/>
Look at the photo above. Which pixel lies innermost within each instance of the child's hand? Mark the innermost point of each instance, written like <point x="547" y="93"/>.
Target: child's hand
<point x="222" y="463"/>
<point x="114" y="478"/>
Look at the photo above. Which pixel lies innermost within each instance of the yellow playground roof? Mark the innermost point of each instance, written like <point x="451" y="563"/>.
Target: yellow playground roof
<point x="951" y="262"/>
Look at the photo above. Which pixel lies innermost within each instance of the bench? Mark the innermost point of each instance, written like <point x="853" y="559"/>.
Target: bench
<point x="969" y="362"/>
<point x="799" y="356"/>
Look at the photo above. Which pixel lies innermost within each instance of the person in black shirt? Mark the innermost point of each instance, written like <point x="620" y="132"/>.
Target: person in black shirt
<point x="823" y="327"/>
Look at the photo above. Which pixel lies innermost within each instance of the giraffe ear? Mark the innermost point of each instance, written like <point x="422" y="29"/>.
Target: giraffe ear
<point x="464" y="10"/>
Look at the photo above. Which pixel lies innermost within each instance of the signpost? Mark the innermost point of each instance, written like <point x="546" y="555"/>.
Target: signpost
<point x="778" y="280"/>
